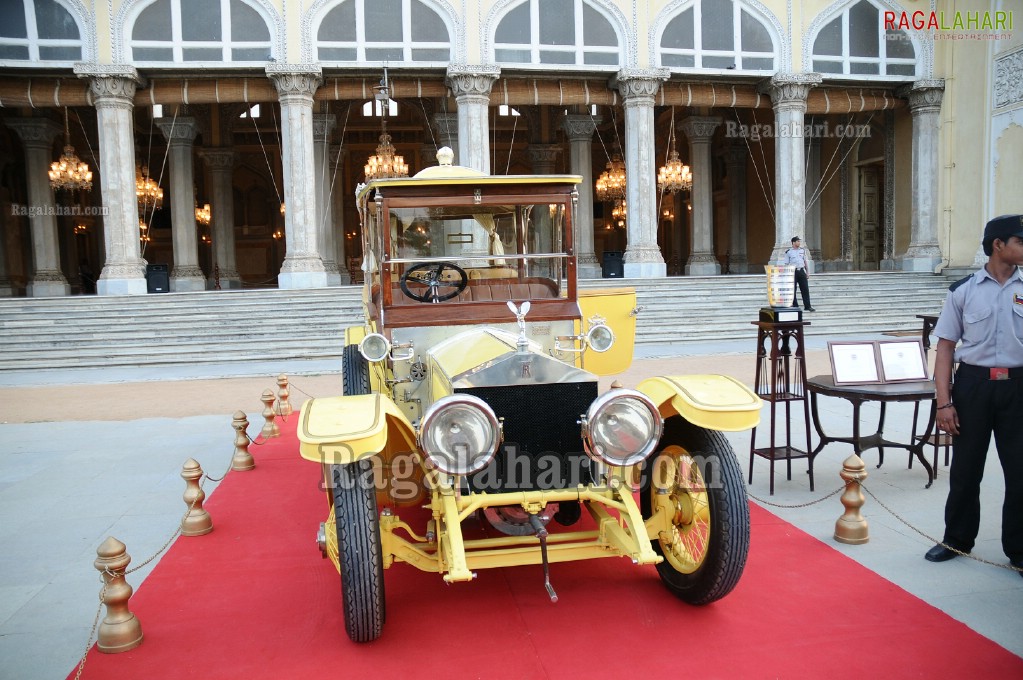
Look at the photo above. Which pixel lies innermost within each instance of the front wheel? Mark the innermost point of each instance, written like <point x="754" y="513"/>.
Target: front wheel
<point x="359" y="550"/>
<point x="696" y="480"/>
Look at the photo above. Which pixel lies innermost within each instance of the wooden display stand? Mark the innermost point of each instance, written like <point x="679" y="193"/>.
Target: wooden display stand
<point x="781" y="377"/>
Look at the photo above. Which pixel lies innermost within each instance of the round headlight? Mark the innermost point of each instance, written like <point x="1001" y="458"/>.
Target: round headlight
<point x="374" y="347"/>
<point x="600" y="338"/>
<point x="621" y="427"/>
<point x="459" y="434"/>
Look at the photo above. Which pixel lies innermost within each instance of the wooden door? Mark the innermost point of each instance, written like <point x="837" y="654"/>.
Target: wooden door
<point x="868" y="252"/>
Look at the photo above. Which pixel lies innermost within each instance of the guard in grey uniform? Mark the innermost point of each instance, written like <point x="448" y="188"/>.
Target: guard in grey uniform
<point x="984" y="313"/>
<point x="797" y="257"/>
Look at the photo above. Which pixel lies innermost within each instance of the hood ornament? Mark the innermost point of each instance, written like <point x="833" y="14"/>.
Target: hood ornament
<point x="522" y="344"/>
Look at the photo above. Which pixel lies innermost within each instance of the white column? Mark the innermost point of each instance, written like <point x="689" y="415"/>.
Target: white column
<point x="220" y="163"/>
<point x="303" y="264"/>
<point x="37" y="135"/>
<point x="788" y="98"/>
<point x="812" y="240"/>
<point x="735" y="165"/>
<point x="923" y="254"/>
<point x="638" y="88"/>
<point x="446" y="125"/>
<point x="580" y="129"/>
<point x="113" y="93"/>
<point x="471" y="86"/>
<point x="336" y="216"/>
<point x="180" y="133"/>
<point x="699" y="131"/>
<point x="323" y="124"/>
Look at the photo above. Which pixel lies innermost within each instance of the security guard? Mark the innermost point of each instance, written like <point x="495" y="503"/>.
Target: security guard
<point x="983" y="311"/>
<point x="797" y="257"/>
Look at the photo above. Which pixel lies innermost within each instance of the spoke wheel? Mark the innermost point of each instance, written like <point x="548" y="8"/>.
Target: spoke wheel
<point x="431" y="275"/>
<point x="696" y="480"/>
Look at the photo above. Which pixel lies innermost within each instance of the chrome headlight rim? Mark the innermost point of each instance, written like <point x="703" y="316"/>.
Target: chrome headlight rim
<point x="593" y="414"/>
<point x="369" y="347"/>
<point x="439" y="408"/>
<point x="595" y="330"/>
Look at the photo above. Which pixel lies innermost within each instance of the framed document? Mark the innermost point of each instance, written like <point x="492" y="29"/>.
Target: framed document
<point x="854" y="363"/>
<point x="902" y="360"/>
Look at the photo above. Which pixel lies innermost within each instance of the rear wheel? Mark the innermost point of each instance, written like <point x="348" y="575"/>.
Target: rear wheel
<point x="359" y="552"/>
<point x="695" y="478"/>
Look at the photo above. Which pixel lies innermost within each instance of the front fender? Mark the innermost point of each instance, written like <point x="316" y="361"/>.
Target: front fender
<point x="714" y="402"/>
<point x="339" y="430"/>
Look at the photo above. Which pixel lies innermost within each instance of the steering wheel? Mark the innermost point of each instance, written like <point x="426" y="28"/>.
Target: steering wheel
<point x="429" y="274"/>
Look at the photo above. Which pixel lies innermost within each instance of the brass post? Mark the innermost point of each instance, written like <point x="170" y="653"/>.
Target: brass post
<point x="197" y="522"/>
<point x="283" y="393"/>
<point x="851" y="528"/>
<point x="270" y="428"/>
<point x="120" y="630"/>
<point x="242" y="459"/>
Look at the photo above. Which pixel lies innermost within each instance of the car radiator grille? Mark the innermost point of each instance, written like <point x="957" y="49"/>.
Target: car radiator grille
<point x="543" y="446"/>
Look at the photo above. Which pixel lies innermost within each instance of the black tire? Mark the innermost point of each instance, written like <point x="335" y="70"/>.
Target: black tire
<point x="705" y="554"/>
<point x="354" y="371"/>
<point x="359" y="551"/>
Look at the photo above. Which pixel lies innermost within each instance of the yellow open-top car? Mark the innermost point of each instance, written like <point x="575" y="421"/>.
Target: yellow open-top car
<point x="472" y="390"/>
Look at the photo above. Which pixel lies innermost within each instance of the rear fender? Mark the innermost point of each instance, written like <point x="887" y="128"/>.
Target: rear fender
<point x="714" y="402"/>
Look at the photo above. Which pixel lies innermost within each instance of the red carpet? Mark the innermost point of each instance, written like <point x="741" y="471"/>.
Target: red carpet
<point x="254" y="600"/>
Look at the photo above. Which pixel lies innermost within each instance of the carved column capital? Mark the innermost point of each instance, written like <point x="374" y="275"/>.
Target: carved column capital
<point x="924" y="96"/>
<point x="699" y="128"/>
<point x="735" y="156"/>
<point x="180" y="131"/>
<point x="544" y="154"/>
<point x="217" y="159"/>
<point x="295" y="81"/>
<point x="323" y="125"/>
<point x="580" y="128"/>
<point x="35" y="133"/>
<point x="112" y="86"/>
<point x="472" y="81"/>
<point x="639" y="85"/>
<point x="336" y="154"/>
<point x="790" y="90"/>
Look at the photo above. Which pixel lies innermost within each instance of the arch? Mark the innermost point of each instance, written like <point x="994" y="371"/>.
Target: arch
<point x="626" y="47"/>
<point x="129" y="12"/>
<point x="47" y="50"/>
<point x="455" y="26"/>
<point x="860" y="67"/>
<point x="743" y="60"/>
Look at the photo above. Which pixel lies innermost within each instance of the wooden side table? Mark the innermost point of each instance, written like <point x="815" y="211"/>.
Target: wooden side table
<point x="937" y="439"/>
<point x="781" y="378"/>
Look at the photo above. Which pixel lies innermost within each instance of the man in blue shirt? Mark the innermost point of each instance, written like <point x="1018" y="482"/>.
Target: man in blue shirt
<point x="984" y="314"/>
<point x="797" y="257"/>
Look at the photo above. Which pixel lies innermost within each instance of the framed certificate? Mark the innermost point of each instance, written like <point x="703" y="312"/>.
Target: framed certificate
<point x="854" y="363"/>
<point x="902" y="360"/>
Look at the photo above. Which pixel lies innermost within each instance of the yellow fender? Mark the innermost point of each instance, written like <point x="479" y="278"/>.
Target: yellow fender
<point x="714" y="402"/>
<point x="340" y="430"/>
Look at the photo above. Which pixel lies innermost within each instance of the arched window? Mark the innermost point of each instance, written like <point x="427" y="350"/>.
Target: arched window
<point x="38" y="30"/>
<point x="718" y="34"/>
<point x="383" y="30"/>
<point x="556" y="32"/>
<point x="856" y="43"/>
<point x="178" y="31"/>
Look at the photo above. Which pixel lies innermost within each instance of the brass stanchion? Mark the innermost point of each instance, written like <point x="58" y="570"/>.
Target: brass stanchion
<point x="851" y="528"/>
<point x="242" y="459"/>
<point x="283" y="393"/>
<point x="270" y="428"/>
<point x="197" y="522"/>
<point x="120" y="630"/>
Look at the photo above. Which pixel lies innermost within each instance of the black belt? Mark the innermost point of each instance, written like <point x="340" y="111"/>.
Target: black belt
<point x="991" y="373"/>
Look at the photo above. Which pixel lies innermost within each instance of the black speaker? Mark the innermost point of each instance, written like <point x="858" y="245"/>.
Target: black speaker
<point x="157" y="278"/>
<point x="613" y="264"/>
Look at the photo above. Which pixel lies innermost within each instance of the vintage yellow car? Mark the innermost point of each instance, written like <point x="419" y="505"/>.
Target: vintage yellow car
<point x="472" y="390"/>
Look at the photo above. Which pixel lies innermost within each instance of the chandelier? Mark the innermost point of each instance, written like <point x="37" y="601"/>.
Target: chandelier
<point x="147" y="192"/>
<point x="619" y="213"/>
<point x="203" y="215"/>
<point x="143" y="231"/>
<point x="385" y="163"/>
<point x="674" y="176"/>
<point x="69" y="172"/>
<point x="611" y="183"/>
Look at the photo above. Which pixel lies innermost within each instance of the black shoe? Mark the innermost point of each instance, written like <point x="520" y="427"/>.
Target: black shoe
<point x="1017" y="564"/>
<point x="940" y="553"/>
<point x="810" y="309"/>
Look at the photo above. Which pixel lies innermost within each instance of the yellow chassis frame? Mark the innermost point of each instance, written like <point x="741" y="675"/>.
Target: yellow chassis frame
<point x="626" y="535"/>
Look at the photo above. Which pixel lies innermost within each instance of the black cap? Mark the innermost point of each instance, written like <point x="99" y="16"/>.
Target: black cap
<point x="1002" y="228"/>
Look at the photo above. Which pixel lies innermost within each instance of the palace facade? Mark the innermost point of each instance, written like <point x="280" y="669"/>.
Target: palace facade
<point x="225" y="138"/>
